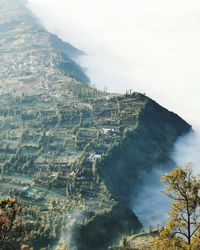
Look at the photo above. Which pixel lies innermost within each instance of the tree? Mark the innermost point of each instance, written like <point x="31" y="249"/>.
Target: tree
<point x="26" y="247"/>
<point x="12" y="230"/>
<point x="62" y="248"/>
<point x="183" y="228"/>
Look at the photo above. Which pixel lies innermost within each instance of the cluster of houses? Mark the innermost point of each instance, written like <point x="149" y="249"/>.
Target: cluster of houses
<point x="19" y="64"/>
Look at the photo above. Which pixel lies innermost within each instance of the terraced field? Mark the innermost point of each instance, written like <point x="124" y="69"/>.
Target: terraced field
<point x="68" y="150"/>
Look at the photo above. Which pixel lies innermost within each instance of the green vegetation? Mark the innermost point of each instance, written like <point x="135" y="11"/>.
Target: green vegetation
<point x="12" y="229"/>
<point x="68" y="150"/>
<point x="183" y="228"/>
<point x="101" y="229"/>
<point x="144" y="145"/>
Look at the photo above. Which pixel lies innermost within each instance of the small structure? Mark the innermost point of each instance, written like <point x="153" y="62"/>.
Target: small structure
<point x="94" y="156"/>
<point x="107" y="130"/>
<point x="24" y="189"/>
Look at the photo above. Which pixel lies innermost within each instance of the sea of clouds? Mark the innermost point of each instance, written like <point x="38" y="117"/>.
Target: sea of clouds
<point x="147" y="46"/>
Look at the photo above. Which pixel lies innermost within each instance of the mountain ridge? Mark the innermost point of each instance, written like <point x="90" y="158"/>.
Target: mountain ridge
<point x="68" y="149"/>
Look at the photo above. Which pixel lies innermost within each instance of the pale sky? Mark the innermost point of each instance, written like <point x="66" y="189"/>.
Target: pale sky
<point x="148" y="46"/>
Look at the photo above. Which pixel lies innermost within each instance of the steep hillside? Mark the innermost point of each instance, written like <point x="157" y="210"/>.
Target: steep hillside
<point x="146" y="145"/>
<point x="101" y="229"/>
<point x="67" y="150"/>
<point x="142" y="241"/>
<point x="139" y="136"/>
<point x="31" y="56"/>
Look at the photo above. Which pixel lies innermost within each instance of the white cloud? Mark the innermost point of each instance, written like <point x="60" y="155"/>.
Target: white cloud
<point x="187" y="150"/>
<point x="148" y="46"/>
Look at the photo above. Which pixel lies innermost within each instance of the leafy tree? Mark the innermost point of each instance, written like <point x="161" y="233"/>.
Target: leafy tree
<point x="12" y="230"/>
<point x="26" y="247"/>
<point x="183" y="228"/>
<point x="62" y="248"/>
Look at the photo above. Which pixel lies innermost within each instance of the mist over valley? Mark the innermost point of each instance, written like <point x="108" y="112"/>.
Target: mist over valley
<point x="98" y="115"/>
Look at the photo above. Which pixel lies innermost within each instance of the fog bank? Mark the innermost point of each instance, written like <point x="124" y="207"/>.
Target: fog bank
<point x="147" y="46"/>
<point x="187" y="150"/>
<point x="150" y="205"/>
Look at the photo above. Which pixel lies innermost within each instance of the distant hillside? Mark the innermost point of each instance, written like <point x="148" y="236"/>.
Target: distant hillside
<point x="65" y="48"/>
<point x="30" y="53"/>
